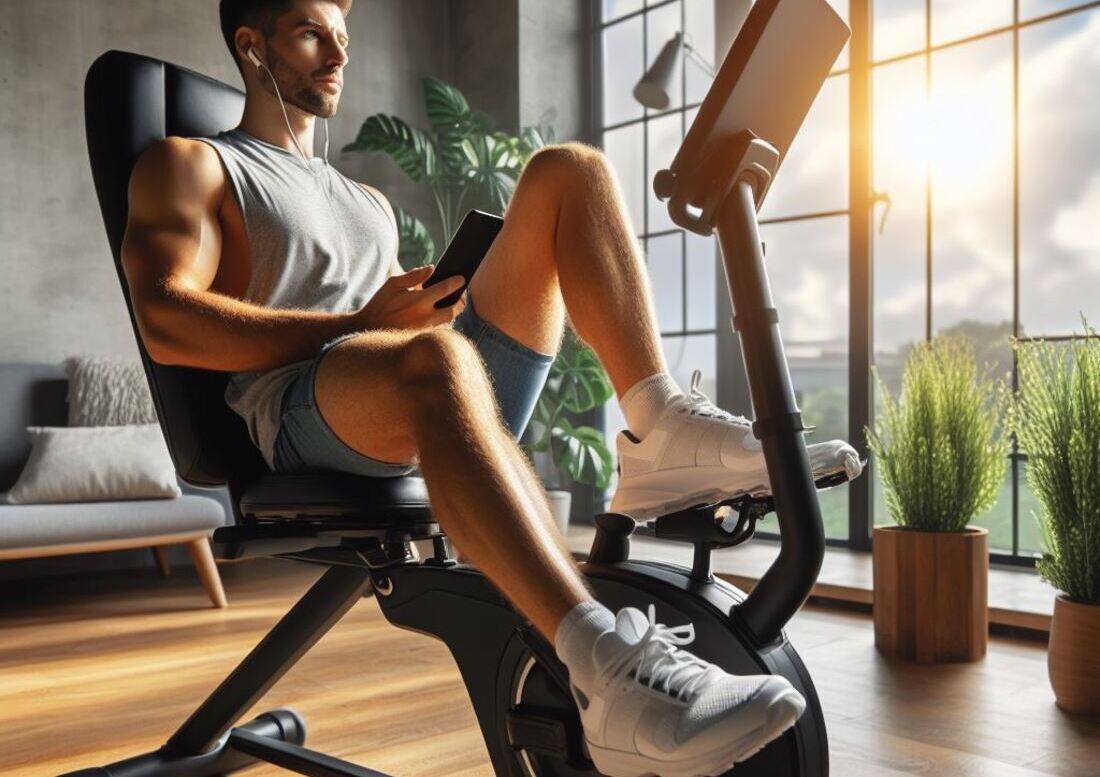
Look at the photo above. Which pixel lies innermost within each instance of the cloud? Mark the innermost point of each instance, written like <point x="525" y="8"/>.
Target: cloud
<point x="1075" y="227"/>
<point x="897" y="33"/>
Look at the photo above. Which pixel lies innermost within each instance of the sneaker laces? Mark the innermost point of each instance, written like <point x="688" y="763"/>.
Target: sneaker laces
<point x="698" y="403"/>
<point x="683" y="671"/>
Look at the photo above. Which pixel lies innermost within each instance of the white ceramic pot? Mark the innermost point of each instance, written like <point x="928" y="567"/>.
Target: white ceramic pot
<point x="560" y="502"/>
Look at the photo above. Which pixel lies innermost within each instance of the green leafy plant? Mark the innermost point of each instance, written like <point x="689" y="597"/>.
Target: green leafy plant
<point x="468" y="165"/>
<point x="1056" y="418"/>
<point x="939" y="456"/>
<point x="460" y="157"/>
<point x="577" y="383"/>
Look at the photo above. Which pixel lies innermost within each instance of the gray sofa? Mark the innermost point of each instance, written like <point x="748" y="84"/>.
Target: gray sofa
<point x="35" y="395"/>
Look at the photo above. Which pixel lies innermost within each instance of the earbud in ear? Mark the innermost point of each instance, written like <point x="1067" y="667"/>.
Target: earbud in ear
<point x="255" y="60"/>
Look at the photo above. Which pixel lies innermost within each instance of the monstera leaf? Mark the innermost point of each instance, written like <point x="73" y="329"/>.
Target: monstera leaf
<point x="577" y="383"/>
<point x="452" y="122"/>
<point x="466" y="163"/>
<point x="412" y="149"/>
<point x="416" y="245"/>
<point x="531" y="139"/>
<point x="581" y="452"/>
<point x="495" y="162"/>
<point x="580" y="379"/>
<point x="547" y="410"/>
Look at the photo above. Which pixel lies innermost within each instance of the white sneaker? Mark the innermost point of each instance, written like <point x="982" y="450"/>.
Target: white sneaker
<point x="698" y="453"/>
<point x="656" y="709"/>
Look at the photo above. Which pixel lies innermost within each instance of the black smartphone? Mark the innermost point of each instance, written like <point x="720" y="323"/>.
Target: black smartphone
<point x="467" y="248"/>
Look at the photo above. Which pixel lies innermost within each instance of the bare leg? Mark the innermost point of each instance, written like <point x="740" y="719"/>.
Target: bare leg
<point x="567" y="238"/>
<point x="430" y="395"/>
<point x="566" y="242"/>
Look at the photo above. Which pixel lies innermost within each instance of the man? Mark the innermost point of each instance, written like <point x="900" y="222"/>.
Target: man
<point x="246" y="254"/>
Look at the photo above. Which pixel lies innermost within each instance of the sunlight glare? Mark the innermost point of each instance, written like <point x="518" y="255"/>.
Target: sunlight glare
<point x="958" y="135"/>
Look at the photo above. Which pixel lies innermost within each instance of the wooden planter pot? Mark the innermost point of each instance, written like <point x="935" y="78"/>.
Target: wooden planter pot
<point x="931" y="594"/>
<point x="1073" y="658"/>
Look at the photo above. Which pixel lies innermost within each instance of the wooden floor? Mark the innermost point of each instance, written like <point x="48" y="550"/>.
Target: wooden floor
<point x="95" y="669"/>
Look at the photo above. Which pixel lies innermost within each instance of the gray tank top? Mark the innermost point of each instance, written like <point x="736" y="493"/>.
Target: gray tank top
<point x="319" y="241"/>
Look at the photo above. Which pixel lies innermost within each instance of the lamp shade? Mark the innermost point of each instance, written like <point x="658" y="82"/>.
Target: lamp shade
<point x="653" y="90"/>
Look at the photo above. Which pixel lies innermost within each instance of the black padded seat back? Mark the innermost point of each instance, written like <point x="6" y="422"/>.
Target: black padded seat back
<point x="130" y="101"/>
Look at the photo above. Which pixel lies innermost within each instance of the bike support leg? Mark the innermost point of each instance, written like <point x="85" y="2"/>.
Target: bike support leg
<point x="316" y="612"/>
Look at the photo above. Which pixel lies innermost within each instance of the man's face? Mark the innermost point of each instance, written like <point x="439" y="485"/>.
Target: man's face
<point x="309" y="44"/>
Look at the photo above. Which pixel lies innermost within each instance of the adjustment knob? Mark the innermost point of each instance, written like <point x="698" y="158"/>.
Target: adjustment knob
<point x="664" y="183"/>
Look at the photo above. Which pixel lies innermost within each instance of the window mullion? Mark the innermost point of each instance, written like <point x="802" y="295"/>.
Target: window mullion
<point x="861" y="267"/>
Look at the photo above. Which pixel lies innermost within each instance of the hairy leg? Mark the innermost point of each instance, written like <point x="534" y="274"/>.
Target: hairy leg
<point x="567" y="247"/>
<point x="430" y="395"/>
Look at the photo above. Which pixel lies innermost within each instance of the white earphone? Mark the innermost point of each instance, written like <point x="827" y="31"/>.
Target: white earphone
<point x="258" y="63"/>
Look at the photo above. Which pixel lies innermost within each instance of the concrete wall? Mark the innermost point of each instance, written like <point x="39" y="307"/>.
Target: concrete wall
<point x="484" y="57"/>
<point x="555" y="76"/>
<point x="524" y="62"/>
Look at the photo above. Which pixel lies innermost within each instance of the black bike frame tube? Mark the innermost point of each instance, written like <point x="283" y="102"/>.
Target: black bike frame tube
<point x="788" y="581"/>
<point x="319" y="610"/>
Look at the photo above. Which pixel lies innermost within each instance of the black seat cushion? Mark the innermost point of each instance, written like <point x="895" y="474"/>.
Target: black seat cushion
<point x="372" y="501"/>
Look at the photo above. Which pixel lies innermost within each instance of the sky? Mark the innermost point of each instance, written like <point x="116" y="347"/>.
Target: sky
<point x="965" y="135"/>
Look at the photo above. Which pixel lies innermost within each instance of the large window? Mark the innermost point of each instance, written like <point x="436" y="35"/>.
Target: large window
<point x="982" y="116"/>
<point x="639" y="141"/>
<point x="985" y="139"/>
<point x="804" y="222"/>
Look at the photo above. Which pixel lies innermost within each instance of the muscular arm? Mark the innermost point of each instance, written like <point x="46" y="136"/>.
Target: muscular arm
<point x="170" y="255"/>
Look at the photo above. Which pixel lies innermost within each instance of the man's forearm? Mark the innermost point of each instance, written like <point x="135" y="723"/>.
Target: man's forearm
<point x="217" y="332"/>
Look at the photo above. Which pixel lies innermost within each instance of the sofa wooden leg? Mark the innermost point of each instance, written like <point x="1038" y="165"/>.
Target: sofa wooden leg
<point x="203" y="556"/>
<point x="163" y="567"/>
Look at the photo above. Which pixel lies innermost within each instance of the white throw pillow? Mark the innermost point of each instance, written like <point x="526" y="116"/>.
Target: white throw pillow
<point x="95" y="463"/>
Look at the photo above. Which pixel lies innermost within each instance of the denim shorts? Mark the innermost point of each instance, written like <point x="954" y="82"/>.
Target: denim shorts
<point x="305" y="442"/>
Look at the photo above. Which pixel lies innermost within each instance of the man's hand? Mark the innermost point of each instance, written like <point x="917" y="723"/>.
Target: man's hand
<point x="403" y="303"/>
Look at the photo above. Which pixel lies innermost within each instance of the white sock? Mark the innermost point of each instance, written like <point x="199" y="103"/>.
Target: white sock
<point x="644" y="402"/>
<point x="576" y="636"/>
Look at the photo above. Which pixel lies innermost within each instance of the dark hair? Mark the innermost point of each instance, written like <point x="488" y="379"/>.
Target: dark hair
<point x="258" y="14"/>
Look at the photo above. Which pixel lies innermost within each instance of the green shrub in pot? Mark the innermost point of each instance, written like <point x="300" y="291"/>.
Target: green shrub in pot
<point x="939" y="448"/>
<point x="1056" y="418"/>
<point x="941" y="455"/>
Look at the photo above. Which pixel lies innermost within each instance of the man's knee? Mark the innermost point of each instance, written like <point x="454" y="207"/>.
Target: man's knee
<point x="565" y="159"/>
<point x="440" y="359"/>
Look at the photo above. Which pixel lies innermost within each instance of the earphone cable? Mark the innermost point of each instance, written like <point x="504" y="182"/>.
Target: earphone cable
<point x="287" y="120"/>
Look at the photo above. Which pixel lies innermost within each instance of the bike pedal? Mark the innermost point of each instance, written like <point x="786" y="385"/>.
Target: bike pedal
<point x="548" y="732"/>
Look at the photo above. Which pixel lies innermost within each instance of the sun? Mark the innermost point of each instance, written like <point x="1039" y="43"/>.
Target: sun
<point x="960" y="134"/>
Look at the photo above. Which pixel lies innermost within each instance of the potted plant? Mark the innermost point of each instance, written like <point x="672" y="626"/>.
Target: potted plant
<point x="467" y="165"/>
<point x="942" y="464"/>
<point x="1056" y="418"/>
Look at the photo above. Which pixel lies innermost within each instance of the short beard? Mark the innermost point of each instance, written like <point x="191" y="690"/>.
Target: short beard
<point x="301" y="92"/>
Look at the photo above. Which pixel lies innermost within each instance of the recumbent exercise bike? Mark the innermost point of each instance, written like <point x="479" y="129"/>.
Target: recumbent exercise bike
<point x="363" y="529"/>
